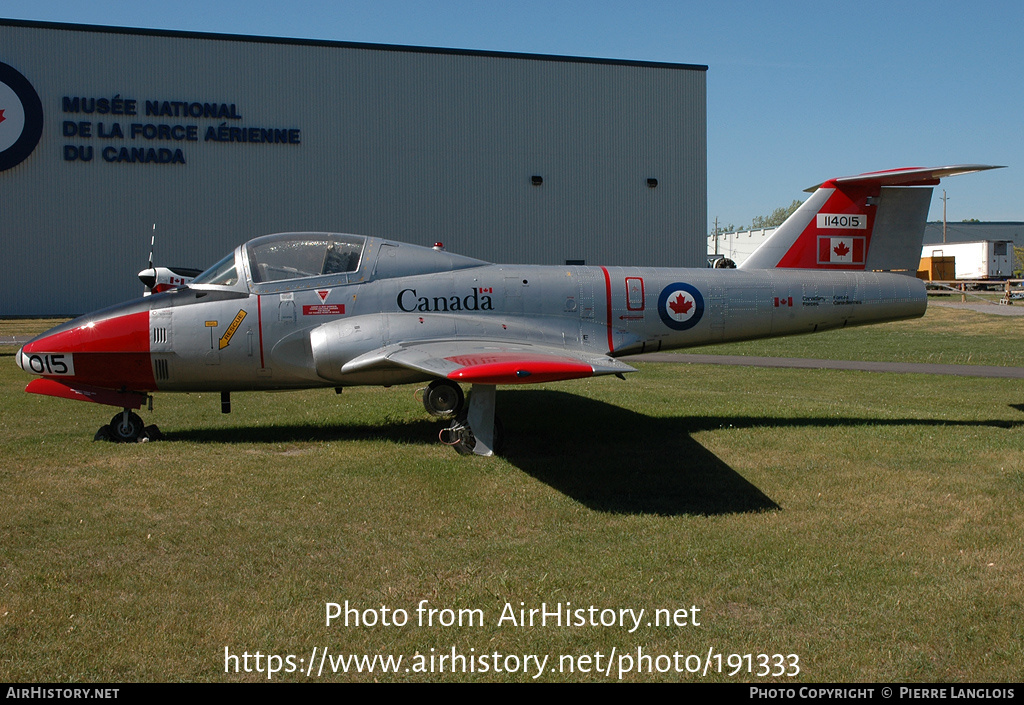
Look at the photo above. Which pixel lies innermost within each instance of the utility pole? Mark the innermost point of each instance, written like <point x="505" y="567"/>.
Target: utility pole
<point x="716" y="234"/>
<point x="944" y="199"/>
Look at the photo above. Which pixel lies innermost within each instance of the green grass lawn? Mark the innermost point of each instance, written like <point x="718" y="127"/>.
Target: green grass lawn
<point x="944" y="335"/>
<point x="872" y="524"/>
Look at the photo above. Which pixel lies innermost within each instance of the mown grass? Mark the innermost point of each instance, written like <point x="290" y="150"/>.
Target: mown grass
<point x="870" y="523"/>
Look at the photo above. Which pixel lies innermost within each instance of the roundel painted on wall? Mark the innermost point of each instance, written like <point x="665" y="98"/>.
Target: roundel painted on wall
<point x="680" y="306"/>
<point x="21" y="117"/>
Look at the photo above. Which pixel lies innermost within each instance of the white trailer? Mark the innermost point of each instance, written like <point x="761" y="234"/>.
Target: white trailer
<point x="985" y="259"/>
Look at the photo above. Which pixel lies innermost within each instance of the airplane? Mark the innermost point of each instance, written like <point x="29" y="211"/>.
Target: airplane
<point x="156" y="280"/>
<point x="307" y="310"/>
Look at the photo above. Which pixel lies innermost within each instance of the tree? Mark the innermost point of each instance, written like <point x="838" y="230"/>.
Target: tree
<point x="776" y="217"/>
<point x="725" y="229"/>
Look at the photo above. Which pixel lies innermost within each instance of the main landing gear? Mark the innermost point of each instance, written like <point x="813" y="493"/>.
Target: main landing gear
<point x="442" y="397"/>
<point x="472" y="431"/>
<point x="127" y="427"/>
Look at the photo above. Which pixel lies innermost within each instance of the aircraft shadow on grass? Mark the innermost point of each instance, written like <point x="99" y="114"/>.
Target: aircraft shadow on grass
<point x="606" y="457"/>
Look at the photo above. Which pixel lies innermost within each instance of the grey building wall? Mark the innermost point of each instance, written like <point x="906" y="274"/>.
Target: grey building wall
<point x="267" y="135"/>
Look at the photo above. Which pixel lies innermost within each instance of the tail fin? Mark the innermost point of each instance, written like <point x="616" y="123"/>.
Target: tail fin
<point x="872" y="221"/>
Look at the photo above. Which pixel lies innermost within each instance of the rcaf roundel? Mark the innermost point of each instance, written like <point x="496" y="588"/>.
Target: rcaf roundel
<point x="21" y="118"/>
<point x="680" y="306"/>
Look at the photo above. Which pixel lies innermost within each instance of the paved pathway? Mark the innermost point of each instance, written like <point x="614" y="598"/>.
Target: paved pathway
<point x="1014" y="309"/>
<point x="810" y="364"/>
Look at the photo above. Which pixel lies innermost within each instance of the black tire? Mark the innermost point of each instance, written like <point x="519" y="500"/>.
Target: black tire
<point x="468" y="439"/>
<point x="443" y="398"/>
<point x="122" y="432"/>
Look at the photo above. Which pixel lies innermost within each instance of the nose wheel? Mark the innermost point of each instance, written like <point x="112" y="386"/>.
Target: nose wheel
<point x="127" y="427"/>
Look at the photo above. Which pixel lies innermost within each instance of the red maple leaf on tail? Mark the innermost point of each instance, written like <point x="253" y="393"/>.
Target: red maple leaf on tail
<point x="841" y="249"/>
<point x="680" y="305"/>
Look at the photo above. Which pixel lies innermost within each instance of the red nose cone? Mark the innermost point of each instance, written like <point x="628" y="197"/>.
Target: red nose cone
<point x="112" y="353"/>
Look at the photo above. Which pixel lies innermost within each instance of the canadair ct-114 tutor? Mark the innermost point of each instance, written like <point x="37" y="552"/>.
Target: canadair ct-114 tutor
<point x="303" y="310"/>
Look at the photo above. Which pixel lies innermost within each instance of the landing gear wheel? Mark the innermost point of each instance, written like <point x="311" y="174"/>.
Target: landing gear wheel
<point x="443" y="397"/>
<point x="126" y="427"/>
<point x="460" y="436"/>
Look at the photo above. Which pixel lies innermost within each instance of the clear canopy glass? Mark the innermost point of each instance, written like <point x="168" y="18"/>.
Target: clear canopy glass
<point x="221" y="274"/>
<point x="301" y="255"/>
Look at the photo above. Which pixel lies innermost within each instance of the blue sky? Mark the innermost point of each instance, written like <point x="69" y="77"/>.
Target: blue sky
<point x="797" y="91"/>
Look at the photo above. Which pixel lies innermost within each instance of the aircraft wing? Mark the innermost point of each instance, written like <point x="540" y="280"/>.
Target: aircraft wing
<point x="489" y="362"/>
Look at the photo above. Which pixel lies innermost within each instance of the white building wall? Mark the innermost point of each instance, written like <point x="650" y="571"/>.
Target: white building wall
<point x="737" y="246"/>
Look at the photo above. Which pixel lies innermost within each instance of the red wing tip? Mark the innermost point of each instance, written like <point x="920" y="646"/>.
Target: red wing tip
<point x="513" y="368"/>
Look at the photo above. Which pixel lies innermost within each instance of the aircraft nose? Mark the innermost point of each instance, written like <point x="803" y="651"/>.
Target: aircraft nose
<point x="110" y="351"/>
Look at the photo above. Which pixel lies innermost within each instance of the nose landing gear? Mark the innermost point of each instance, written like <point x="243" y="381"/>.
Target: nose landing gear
<point x="127" y="427"/>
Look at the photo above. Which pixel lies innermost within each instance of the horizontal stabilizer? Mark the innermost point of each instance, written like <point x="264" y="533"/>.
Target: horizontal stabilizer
<point x="912" y="176"/>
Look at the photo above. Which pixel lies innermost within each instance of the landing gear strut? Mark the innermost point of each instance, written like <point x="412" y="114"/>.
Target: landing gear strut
<point x="460" y="436"/>
<point x="477" y="432"/>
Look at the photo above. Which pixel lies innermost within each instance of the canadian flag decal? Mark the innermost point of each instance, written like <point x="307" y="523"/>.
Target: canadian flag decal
<point x="841" y="250"/>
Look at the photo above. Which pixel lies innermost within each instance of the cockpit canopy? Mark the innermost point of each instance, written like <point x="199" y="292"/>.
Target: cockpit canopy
<point x="300" y="255"/>
<point x="224" y="273"/>
<point x="293" y="261"/>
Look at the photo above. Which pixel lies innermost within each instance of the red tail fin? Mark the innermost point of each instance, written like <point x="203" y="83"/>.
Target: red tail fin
<point x="870" y="221"/>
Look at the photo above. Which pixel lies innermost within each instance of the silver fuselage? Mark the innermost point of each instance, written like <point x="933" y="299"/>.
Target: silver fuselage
<point x="319" y="330"/>
<point x="572" y="307"/>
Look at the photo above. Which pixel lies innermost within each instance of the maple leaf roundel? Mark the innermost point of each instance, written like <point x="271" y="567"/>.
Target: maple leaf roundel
<point x="680" y="306"/>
